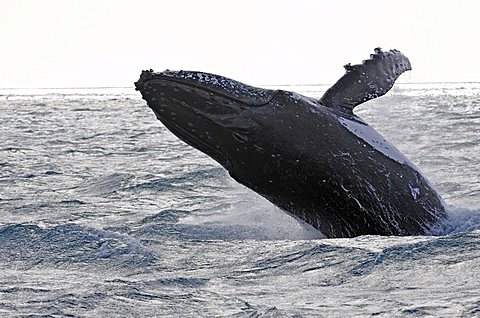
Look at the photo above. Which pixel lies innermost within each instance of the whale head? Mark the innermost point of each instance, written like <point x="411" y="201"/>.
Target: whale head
<point x="209" y="112"/>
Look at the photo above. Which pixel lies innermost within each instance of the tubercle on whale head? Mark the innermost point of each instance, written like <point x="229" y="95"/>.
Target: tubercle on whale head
<point x="145" y="76"/>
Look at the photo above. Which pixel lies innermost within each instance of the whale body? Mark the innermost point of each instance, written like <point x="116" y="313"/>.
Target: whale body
<point x="315" y="159"/>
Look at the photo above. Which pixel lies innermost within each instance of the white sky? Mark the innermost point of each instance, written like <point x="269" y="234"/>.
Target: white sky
<point x="61" y="43"/>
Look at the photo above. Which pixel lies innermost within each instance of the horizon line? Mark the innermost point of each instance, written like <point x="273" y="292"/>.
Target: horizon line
<point x="264" y="85"/>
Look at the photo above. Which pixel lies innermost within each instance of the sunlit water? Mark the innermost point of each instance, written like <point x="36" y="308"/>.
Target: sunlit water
<point x="104" y="213"/>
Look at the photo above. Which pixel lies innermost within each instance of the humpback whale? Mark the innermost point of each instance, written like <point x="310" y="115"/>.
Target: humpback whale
<point x="315" y="159"/>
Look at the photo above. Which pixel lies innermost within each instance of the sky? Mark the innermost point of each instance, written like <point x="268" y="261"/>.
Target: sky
<point x="95" y="43"/>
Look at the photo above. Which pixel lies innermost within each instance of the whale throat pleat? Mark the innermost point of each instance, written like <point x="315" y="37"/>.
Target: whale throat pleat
<point x="366" y="81"/>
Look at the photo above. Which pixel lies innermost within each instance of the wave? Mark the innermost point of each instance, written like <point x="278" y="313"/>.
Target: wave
<point x="71" y="244"/>
<point x="105" y="185"/>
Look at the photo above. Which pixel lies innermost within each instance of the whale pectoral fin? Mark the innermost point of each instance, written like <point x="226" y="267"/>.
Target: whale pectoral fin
<point x="366" y="81"/>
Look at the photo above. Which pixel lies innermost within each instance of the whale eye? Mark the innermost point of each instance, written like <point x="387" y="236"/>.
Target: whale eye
<point x="239" y="137"/>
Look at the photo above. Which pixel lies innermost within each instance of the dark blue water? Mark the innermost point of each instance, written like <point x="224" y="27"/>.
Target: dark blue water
<point x="104" y="213"/>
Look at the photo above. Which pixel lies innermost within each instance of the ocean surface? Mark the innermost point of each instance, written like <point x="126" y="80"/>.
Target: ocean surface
<point x="104" y="213"/>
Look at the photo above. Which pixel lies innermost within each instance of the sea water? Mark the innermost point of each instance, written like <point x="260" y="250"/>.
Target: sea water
<point x="104" y="213"/>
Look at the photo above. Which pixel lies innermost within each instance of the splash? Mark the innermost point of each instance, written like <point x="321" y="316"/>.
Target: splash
<point x="250" y="216"/>
<point x="459" y="220"/>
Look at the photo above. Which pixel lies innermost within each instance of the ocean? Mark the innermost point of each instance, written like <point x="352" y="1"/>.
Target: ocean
<point x="104" y="213"/>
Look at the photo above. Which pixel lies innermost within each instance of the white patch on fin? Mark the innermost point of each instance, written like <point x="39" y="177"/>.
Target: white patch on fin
<point x="374" y="139"/>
